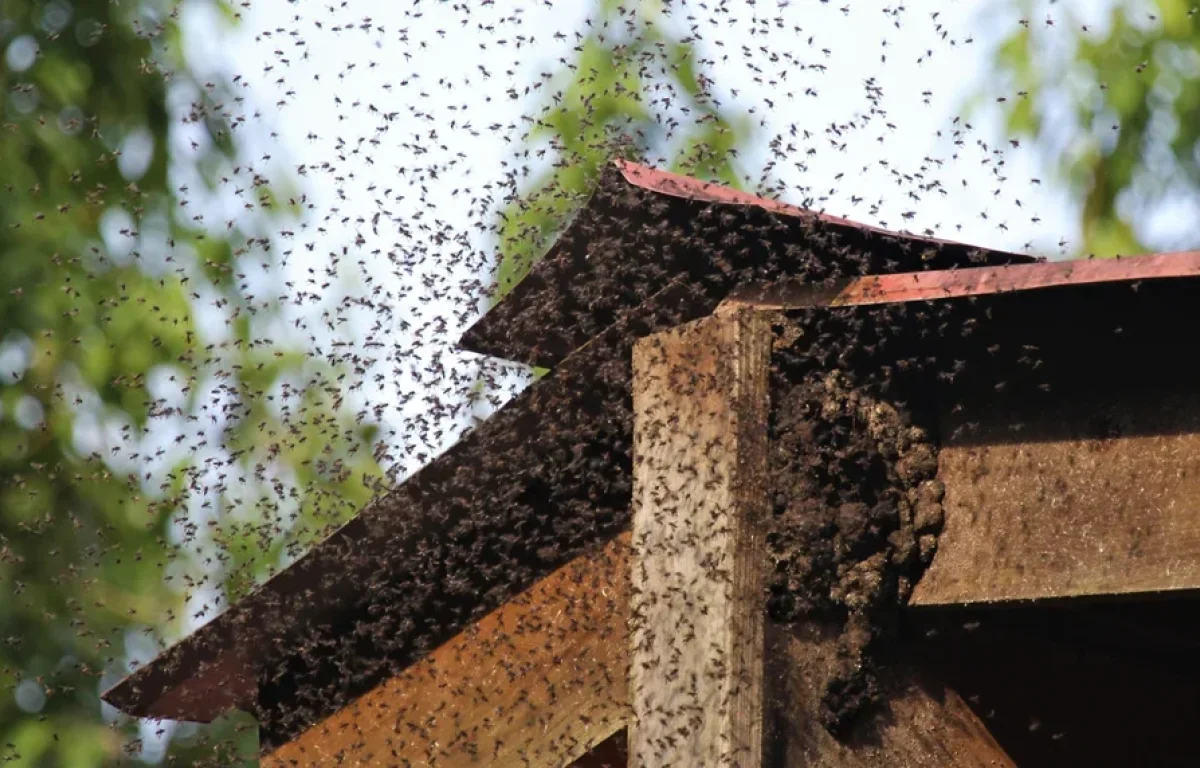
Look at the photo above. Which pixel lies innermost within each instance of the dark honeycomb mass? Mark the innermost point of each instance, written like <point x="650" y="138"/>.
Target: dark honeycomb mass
<point x="859" y="399"/>
<point x="856" y="516"/>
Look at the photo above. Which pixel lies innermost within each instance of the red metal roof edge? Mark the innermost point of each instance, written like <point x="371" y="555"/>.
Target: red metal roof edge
<point x="976" y="281"/>
<point x="677" y="185"/>
<point x="979" y="281"/>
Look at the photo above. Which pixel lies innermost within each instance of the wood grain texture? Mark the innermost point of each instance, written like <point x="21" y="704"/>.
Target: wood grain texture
<point x="1067" y="517"/>
<point x="538" y="682"/>
<point x="919" y="725"/>
<point x="699" y="502"/>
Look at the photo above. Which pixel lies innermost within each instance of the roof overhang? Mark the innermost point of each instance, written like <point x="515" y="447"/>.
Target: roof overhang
<point x="221" y="665"/>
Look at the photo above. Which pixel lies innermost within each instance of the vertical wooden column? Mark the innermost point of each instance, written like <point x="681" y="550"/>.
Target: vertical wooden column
<point x="699" y="506"/>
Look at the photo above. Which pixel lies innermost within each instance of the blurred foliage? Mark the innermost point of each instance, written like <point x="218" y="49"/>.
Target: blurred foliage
<point x="1112" y="104"/>
<point x="113" y="506"/>
<point x="628" y="69"/>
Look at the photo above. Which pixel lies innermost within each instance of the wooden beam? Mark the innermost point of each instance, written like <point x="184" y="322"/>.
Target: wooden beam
<point x="537" y="682"/>
<point x="1074" y="513"/>
<point x="699" y="506"/>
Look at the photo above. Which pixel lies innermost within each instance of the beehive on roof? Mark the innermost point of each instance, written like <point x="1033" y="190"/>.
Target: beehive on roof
<point x="548" y="477"/>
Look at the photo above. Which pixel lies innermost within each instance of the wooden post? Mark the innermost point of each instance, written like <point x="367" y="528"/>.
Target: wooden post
<point x="699" y="506"/>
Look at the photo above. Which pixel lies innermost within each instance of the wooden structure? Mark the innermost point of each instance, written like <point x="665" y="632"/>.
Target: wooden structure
<point x="641" y="637"/>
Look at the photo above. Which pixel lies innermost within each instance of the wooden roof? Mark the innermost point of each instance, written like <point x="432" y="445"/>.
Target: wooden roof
<point x="548" y="477"/>
<point x="643" y="228"/>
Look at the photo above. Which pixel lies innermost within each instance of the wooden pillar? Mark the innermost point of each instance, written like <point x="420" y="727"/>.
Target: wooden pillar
<point x="699" y="504"/>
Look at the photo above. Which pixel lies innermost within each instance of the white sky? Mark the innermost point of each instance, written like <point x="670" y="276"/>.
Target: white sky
<point x="310" y="124"/>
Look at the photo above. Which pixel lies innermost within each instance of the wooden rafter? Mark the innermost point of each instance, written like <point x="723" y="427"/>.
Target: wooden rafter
<point x="537" y="682"/>
<point x="1073" y="516"/>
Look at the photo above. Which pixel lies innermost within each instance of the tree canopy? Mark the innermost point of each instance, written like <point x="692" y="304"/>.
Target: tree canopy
<point x="1107" y="93"/>
<point x="634" y="89"/>
<point x="137" y="396"/>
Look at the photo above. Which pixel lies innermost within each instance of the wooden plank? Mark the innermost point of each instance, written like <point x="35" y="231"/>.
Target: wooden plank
<point x="537" y="682"/>
<point x="922" y="724"/>
<point x="1072" y="514"/>
<point x="699" y="503"/>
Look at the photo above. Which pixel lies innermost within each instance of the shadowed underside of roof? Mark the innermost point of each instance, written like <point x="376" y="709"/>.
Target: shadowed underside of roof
<point x="643" y="228"/>
<point x="549" y="476"/>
